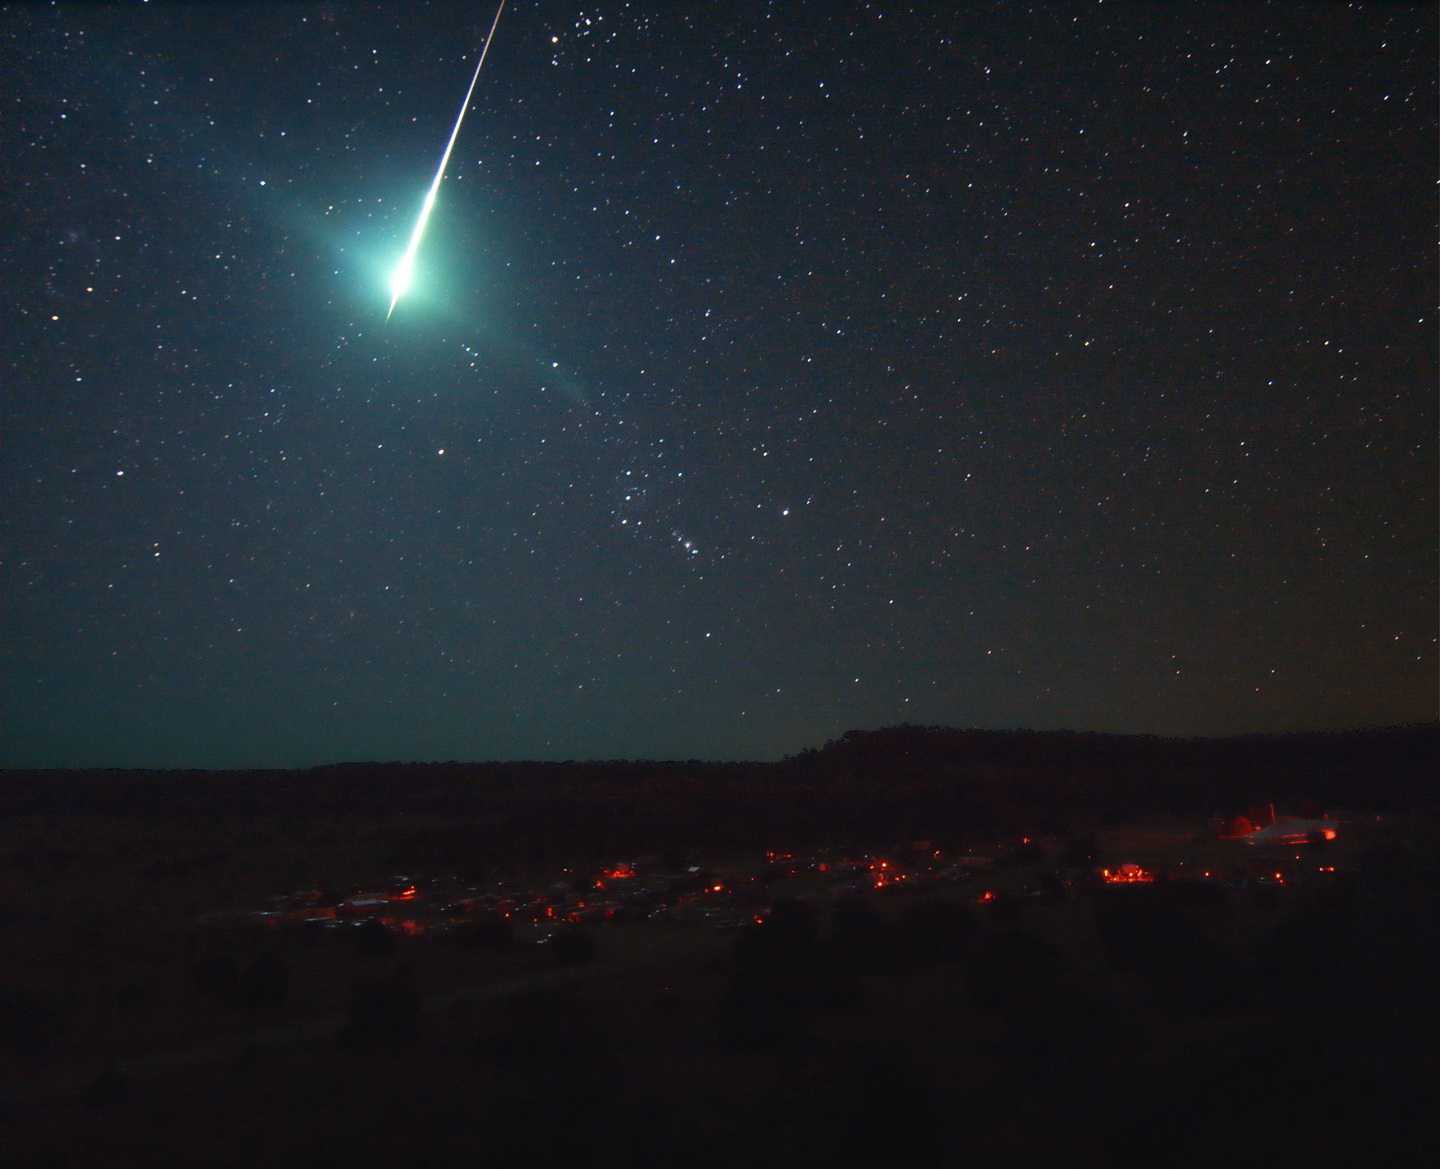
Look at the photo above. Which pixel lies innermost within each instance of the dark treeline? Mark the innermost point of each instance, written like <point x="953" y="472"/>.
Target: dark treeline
<point x="865" y="787"/>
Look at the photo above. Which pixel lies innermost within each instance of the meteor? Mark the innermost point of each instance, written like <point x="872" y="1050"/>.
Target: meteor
<point x="400" y="278"/>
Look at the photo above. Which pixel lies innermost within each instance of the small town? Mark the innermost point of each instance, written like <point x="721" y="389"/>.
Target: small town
<point x="437" y="908"/>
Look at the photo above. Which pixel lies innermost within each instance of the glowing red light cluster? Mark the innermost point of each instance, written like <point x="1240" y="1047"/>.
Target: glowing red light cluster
<point x="1127" y="875"/>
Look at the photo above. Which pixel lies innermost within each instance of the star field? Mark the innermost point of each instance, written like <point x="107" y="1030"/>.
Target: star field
<point x="768" y="371"/>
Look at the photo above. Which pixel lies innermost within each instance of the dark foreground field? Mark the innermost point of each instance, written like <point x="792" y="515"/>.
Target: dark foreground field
<point x="1002" y="1005"/>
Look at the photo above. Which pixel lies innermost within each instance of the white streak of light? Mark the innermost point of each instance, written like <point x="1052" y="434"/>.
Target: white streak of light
<point x="400" y="278"/>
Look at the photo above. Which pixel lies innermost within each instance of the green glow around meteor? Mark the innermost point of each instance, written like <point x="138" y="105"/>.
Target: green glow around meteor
<point x="405" y="269"/>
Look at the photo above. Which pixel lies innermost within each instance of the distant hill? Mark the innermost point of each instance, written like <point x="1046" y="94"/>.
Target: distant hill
<point x="886" y="784"/>
<point x="1367" y="755"/>
<point x="1386" y="767"/>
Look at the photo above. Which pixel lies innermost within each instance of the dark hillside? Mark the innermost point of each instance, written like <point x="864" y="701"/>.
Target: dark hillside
<point x="892" y="783"/>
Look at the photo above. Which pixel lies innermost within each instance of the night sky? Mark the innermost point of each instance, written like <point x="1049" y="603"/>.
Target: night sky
<point x="770" y="370"/>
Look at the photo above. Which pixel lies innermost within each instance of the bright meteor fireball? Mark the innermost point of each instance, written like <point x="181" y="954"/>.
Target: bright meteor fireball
<point x="405" y="269"/>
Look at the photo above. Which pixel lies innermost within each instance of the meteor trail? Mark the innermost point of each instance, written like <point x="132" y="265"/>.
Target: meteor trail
<point x="400" y="278"/>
